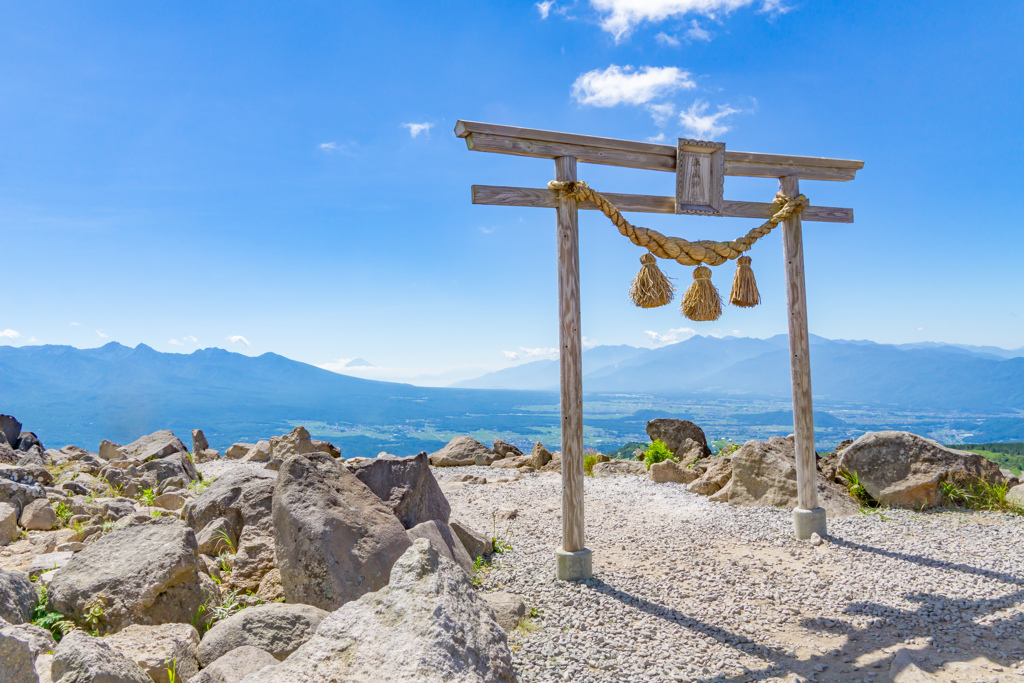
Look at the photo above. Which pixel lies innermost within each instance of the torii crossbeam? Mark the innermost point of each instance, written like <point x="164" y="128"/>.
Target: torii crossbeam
<point x="573" y="559"/>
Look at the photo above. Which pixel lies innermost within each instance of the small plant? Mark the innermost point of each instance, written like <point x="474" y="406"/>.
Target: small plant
<point x="54" y="622"/>
<point x="108" y="526"/>
<point x="229" y="604"/>
<point x="657" y="452"/>
<point x="79" y="529"/>
<point x="197" y="487"/>
<point x="723" y="447"/>
<point x="857" y="490"/>
<point x="93" y="614"/>
<point x="978" y="494"/>
<point x="63" y="512"/>
<point x="503" y="544"/>
<point x="225" y="538"/>
<point x="226" y="562"/>
<point x="156" y="513"/>
<point x="148" y="497"/>
<point x="172" y="669"/>
<point x="588" y="464"/>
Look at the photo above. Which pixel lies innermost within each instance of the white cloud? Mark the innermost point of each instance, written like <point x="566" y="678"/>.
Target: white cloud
<point x="174" y="342"/>
<point x="676" y="334"/>
<point x="487" y="231"/>
<point x="705" y="126"/>
<point x="511" y="355"/>
<point x="661" y="112"/>
<point x="695" y="32"/>
<point x="337" y="147"/>
<point x="620" y="17"/>
<point x="187" y="339"/>
<point x="626" y="85"/>
<point x="531" y="354"/>
<point x="75" y="324"/>
<point x="336" y="365"/>
<point x="545" y="8"/>
<point x="10" y="334"/>
<point x="102" y="335"/>
<point x="416" y="128"/>
<point x="666" y="39"/>
<point x="660" y="137"/>
<point x="588" y="343"/>
<point x="238" y="339"/>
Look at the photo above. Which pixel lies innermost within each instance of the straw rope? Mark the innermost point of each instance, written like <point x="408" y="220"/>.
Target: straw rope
<point x="676" y="248"/>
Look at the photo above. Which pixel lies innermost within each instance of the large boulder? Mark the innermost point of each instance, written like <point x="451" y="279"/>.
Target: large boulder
<point x="156" y="445"/>
<point x="505" y="450"/>
<point x="475" y="543"/>
<point x="199" y="442"/>
<point x="764" y="473"/>
<point x="441" y="536"/>
<point x="260" y="452"/>
<point x="1015" y="497"/>
<point x="715" y="477"/>
<point x="39" y="516"/>
<point x="149" y="573"/>
<point x="240" y="498"/>
<point x="10" y="430"/>
<point x="237" y="451"/>
<point x="255" y="557"/>
<point x="109" y="450"/>
<point x="674" y="433"/>
<point x="277" y="628"/>
<point x="671" y="471"/>
<point x="235" y="665"/>
<point x="335" y="539"/>
<point x="540" y="456"/>
<point x="8" y="523"/>
<point x="155" y="648"/>
<point x="80" y="658"/>
<point x="427" y="625"/>
<point x="19" y="646"/>
<point x="406" y="485"/>
<point x="297" y="442"/>
<point x="17" y="597"/>
<point x="463" y="450"/>
<point x="906" y="470"/>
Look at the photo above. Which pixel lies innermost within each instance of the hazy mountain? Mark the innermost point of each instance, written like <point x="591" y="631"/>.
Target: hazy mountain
<point x="358" y="363"/>
<point x="543" y="374"/>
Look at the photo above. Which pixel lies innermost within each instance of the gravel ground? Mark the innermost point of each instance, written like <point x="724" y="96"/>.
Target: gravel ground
<point x="689" y="590"/>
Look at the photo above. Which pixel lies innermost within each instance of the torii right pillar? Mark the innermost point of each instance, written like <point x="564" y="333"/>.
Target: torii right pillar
<point x="808" y="517"/>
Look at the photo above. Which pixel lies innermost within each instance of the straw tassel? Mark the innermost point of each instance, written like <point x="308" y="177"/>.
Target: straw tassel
<point x="702" y="301"/>
<point x="651" y="287"/>
<point x="744" y="287"/>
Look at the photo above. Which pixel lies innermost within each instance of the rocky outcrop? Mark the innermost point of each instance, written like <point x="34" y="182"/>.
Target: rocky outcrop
<point x="714" y="478"/>
<point x="906" y="470"/>
<point x="233" y="501"/>
<point x="334" y="537"/>
<point x="109" y="450"/>
<point x="540" y="456"/>
<point x="407" y="486"/>
<point x="156" y="445"/>
<point x="258" y="453"/>
<point x="235" y="665"/>
<point x="199" y="442"/>
<point x="297" y="442"/>
<point x="156" y="648"/>
<point x="463" y="450"/>
<point x="427" y="625"/>
<point x="254" y="558"/>
<point x="674" y="433"/>
<point x="8" y="524"/>
<point x="276" y="629"/>
<point x="441" y="536"/>
<point x="80" y="658"/>
<point x="505" y="450"/>
<point x="237" y="451"/>
<point x="19" y="646"/>
<point x="10" y="430"/>
<point x="17" y="597"/>
<point x="144" y="574"/>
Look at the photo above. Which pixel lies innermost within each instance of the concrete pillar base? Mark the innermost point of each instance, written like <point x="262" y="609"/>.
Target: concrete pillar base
<point x="574" y="566"/>
<point x="807" y="522"/>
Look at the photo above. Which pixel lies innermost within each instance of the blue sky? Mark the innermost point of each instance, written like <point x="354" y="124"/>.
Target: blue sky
<point x="284" y="177"/>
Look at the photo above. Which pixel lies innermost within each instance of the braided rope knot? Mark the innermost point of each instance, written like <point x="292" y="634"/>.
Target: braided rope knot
<point x="676" y="248"/>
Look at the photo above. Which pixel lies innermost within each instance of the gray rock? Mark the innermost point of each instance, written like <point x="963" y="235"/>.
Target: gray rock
<point x="715" y="477"/>
<point x="463" y="450"/>
<point x="154" y="648"/>
<point x="540" y="456"/>
<point x="215" y="537"/>
<point x="505" y="450"/>
<point x="152" y="446"/>
<point x="28" y="441"/>
<point x="513" y="462"/>
<point x="18" y="597"/>
<point x="258" y="453"/>
<point x="1015" y="496"/>
<point x="256" y="555"/>
<point x="326" y="447"/>
<point x="34" y="458"/>
<point x="206" y="455"/>
<point x="144" y="574"/>
<point x="509" y="610"/>
<point x="239" y="498"/>
<point x="406" y="485"/>
<point x="71" y="547"/>
<point x="46" y="562"/>
<point x="10" y="429"/>
<point x="671" y="471"/>
<point x="277" y="629"/>
<point x="199" y="442"/>
<point x="604" y="469"/>
<point x="235" y="665"/>
<point x="335" y="539"/>
<point x="428" y="625"/>
<point x="8" y="523"/>
<point x="109" y="450"/>
<point x="475" y="543"/>
<point x="441" y="536"/>
<point x="175" y="468"/>
<point x="295" y="443"/>
<point x="674" y="434"/>
<point x="270" y="589"/>
<point x="237" y="451"/>
<point x="80" y="658"/>
<point x="19" y="646"/>
<point x="274" y="464"/>
<point x="906" y="470"/>
<point x="8" y="455"/>
<point x="169" y="501"/>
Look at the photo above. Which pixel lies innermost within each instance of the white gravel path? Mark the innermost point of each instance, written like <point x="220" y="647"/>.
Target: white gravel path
<point x="685" y="589"/>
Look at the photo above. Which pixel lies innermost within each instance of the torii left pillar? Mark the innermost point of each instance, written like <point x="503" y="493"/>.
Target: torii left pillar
<point x="573" y="561"/>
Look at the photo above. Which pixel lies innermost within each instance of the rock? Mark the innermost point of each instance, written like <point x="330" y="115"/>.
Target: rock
<point x="18" y="597"/>
<point x="237" y="451"/>
<point x="476" y="544"/>
<point x="505" y="450"/>
<point x="26" y="474"/>
<point x="154" y="648"/>
<point x="275" y="464"/>
<point x="240" y="498"/>
<point x="254" y="558"/>
<point x="463" y="450"/>
<point x="555" y="465"/>
<point x="152" y="446"/>
<point x="199" y="442"/>
<point x="406" y="486"/>
<point x="206" y="455"/>
<point x="326" y="447"/>
<point x="34" y="458"/>
<point x="1015" y="496"/>
<point x="19" y="646"/>
<point x="674" y="434"/>
<point x="270" y="589"/>
<point x="903" y="669"/>
<point x="10" y="429"/>
<point x="717" y="475"/>
<point x="235" y="665"/>
<point x="764" y="473"/>
<point x="169" y="501"/>
<point x="509" y="610"/>
<point x="211" y="538"/>
<point x="258" y="453"/>
<point x="80" y="658"/>
<point x="335" y="539"/>
<point x="8" y="524"/>
<point x="540" y="456"/>
<point x="604" y="469"/>
<point x="109" y="450"/>
<point x="71" y="547"/>
<point x="505" y="514"/>
<point x="47" y="561"/>
<point x="295" y="443"/>
<point x="28" y="441"/>
<point x="143" y="574"/>
<point x="428" y="625"/>
<point x="671" y="471"/>
<point x="8" y="456"/>
<point x="444" y="539"/>
<point x="278" y="629"/>
<point x="512" y="462"/>
<point x="905" y="470"/>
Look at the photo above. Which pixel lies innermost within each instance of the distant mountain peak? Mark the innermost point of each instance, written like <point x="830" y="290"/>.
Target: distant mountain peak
<point x="359" y="363"/>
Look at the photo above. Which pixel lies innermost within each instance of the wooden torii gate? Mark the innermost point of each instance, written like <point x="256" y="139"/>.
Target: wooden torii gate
<point x="573" y="559"/>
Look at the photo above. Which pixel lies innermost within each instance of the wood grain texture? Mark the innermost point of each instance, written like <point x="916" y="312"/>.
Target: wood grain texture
<point x="570" y="362"/>
<point x="487" y="137"/>
<point x="799" y="354"/>
<point x="497" y="195"/>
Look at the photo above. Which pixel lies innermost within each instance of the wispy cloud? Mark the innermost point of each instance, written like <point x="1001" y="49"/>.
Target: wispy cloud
<point x="545" y="8"/>
<point x="676" y="334"/>
<point x="102" y="335"/>
<point x="416" y="128"/>
<point x="346" y="148"/>
<point x="336" y="365"/>
<point x="10" y="334"/>
<point x="188" y="339"/>
<point x="620" y="17"/>
<point x="524" y="353"/>
<point x="661" y="113"/>
<point x="666" y="39"/>
<point x="699" y="124"/>
<point x="75" y="324"/>
<point x="588" y="343"/>
<point x="625" y="85"/>
<point x="695" y="32"/>
<point x="239" y="339"/>
<point x="487" y="231"/>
